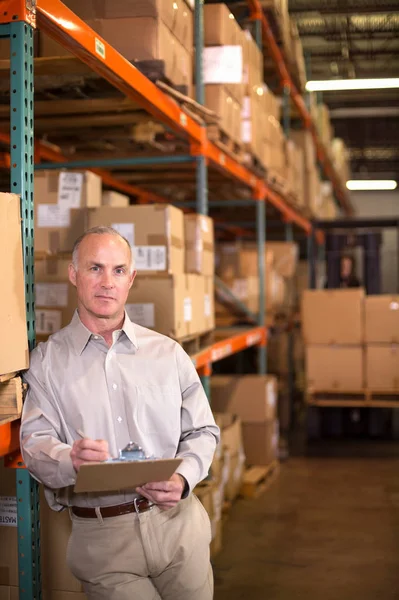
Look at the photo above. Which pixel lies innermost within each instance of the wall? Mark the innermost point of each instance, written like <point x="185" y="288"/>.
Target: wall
<point x="382" y="204"/>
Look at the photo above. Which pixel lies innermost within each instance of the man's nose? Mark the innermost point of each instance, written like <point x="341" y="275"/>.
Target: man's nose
<point x="107" y="280"/>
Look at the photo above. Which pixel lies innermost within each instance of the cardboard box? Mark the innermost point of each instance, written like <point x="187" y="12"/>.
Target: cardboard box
<point x="231" y="438"/>
<point x="382" y="367"/>
<point x="147" y="38"/>
<point x="115" y="199"/>
<point x="55" y="296"/>
<point x="335" y="368"/>
<point x="175" y="14"/>
<point x="199" y="244"/>
<point x="219" y="99"/>
<point x="238" y="260"/>
<point x="57" y="193"/>
<point x="55" y="531"/>
<point x="304" y="140"/>
<point x="211" y="496"/>
<point x="208" y="302"/>
<point x="223" y="65"/>
<point x="14" y="352"/>
<point x="230" y="394"/>
<point x="261" y="442"/>
<point x="155" y="232"/>
<point x="382" y="319"/>
<point x="168" y="304"/>
<point x="285" y="255"/>
<point x="333" y="316"/>
<point x="220" y="26"/>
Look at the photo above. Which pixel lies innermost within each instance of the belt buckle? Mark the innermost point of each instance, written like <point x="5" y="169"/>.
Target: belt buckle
<point x="137" y="507"/>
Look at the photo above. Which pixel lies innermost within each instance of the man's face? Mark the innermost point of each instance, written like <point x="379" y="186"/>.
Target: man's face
<point x="346" y="267"/>
<point x="103" y="278"/>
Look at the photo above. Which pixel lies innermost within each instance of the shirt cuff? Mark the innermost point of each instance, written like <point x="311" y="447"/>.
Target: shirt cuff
<point x="66" y="474"/>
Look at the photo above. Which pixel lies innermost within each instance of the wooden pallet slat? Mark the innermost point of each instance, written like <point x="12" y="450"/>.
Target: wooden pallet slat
<point x="257" y="479"/>
<point x="11" y="400"/>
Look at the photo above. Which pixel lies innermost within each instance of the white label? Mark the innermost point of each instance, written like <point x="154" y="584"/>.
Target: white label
<point x="53" y="215"/>
<point x="99" y="48"/>
<point x="204" y="225"/>
<point x="126" y="230"/>
<point x="207" y="305"/>
<point x="271" y="394"/>
<point x="70" y="189"/>
<point x="150" y="258"/>
<point x="394" y="305"/>
<point x="246" y="132"/>
<point x="8" y="511"/>
<point x="187" y="310"/>
<point x="183" y="119"/>
<point x="223" y="64"/>
<point x="47" y="321"/>
<point x="51" y="294"/>
<point x="142" y="314"/>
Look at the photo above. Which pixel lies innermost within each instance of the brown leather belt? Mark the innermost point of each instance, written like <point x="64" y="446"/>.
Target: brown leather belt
<point x="139" y="505"/>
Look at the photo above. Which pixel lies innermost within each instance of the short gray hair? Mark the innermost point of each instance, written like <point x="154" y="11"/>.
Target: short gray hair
<point x="100" y="230"/>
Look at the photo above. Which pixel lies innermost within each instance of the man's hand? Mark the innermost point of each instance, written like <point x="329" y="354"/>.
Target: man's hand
<point x="87" y="450"/>
<point x="166" y="494"/>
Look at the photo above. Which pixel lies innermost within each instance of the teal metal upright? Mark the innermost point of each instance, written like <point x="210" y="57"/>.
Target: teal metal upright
<point x="261" y="242"/>
<point x="201" y="168"/>
<point x="22" y="155"/>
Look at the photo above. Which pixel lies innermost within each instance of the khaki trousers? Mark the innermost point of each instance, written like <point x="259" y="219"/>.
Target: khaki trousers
<point x="151" y="556"/>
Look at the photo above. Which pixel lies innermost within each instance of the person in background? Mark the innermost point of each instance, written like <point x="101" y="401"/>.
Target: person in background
<point x="348" y="278"/>
<point x="96" y="385"/>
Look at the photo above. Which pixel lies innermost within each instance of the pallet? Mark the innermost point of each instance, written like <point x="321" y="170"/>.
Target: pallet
<point x="12" y="394"/>
<point x="154" y="70"/>
<point x="253" y="163"/>
<point x="196" y="343"/>
<point x="223" y="141"/>
<point x="353" y="398"/>
<point x="257" y="480"/>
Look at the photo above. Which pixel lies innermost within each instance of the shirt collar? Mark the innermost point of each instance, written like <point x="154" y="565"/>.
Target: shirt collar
<point x="81" y="335"/>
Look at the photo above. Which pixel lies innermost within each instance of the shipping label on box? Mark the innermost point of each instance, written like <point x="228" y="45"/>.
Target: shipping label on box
<point x="53" y="215"/>
<point x="8" y="511"/>
<point x="70" y="189"/>
<point x="142" y="314"/>
<point x="47" y="321"/>
<point x="150" y="258"/>
<point x="126" y="230"/>
<point x="51" y="294"/>
<point x="223" y="64"/>
<point x="187" y="310"/>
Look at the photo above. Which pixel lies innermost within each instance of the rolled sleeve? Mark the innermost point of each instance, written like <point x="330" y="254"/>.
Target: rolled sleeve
<point x="43" y="447"/>
<point x="199" y="432"/>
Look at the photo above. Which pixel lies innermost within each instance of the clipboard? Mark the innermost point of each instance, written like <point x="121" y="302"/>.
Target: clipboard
<point x="115" y="476"/>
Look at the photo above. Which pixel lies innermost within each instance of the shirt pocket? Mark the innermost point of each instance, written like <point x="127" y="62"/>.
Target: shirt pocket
<point x="158" y="409"/>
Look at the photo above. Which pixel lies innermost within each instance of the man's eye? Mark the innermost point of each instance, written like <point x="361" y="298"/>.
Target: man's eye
<point x="120" y="271"/>
<point x="94" y="268"/>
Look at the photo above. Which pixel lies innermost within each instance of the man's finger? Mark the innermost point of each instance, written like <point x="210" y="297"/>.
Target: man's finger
<point x="92" y="455"/>
<point x="160" y="486"/>
<point x="98" y="445"/>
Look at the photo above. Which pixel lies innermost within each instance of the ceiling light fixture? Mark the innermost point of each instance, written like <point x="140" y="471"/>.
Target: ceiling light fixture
<point x="365" y="185"/>
<point x="339" y="85"/>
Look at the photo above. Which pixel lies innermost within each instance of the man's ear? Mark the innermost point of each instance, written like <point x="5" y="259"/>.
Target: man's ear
<point x="72" y="274"/>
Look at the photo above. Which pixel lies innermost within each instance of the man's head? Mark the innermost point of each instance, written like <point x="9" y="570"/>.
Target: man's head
<point x="102" y="270"/>
<point x="347" y="265"/>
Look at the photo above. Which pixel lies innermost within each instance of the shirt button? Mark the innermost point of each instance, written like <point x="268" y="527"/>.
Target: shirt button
<point x="114" y="386"/>
<point x="96" y="337"/>
<point x="119" y="419"/>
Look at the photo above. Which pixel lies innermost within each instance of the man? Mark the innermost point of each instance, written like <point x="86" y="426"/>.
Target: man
<point x="97" y="384"/>
<point x="348" y="277"/>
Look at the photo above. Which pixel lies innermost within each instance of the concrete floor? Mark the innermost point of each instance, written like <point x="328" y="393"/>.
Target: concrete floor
<point x="327" y="529"/>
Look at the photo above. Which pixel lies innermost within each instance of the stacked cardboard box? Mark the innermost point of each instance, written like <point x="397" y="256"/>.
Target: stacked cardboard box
<point x="295" y="172"/>
<point x="174" y="257"/>
<point x="111" y="198"/>
<point x="382" y="342"/>
<point x="259" y="425"/>
<point x="323" y="125"/>
<point x="223" y="58"/>
<point x="311" y="180"/>
<point x="332" y="323"/>
<point x="297" y="62"/>
<point x="14" y="354"/>
<point x="237" y="266"/>
<point x="210" y="494"/>
<point x="140" y="31"/>
<point x="233" y="451"/>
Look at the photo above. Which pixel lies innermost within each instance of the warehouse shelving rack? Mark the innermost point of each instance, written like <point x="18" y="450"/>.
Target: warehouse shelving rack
<point x="17" y="21"/>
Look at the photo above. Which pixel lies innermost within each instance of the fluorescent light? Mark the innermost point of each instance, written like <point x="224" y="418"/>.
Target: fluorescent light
<point x="371" y="184"/>
<point x="335" y="85"/>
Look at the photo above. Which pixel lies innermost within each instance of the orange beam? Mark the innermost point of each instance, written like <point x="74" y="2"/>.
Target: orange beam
<point x="250" y="337"/>
<point x="9" y="437"/>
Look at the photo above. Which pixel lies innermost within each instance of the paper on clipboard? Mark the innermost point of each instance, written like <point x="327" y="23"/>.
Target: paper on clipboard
<point x="123" y="475"/>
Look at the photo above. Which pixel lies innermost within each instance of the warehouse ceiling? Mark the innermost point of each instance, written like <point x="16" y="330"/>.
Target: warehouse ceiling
<point x="356" y="39"/>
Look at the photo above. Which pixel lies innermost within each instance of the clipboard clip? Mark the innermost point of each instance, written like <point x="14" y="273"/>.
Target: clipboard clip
<point x="131" y="452"/>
